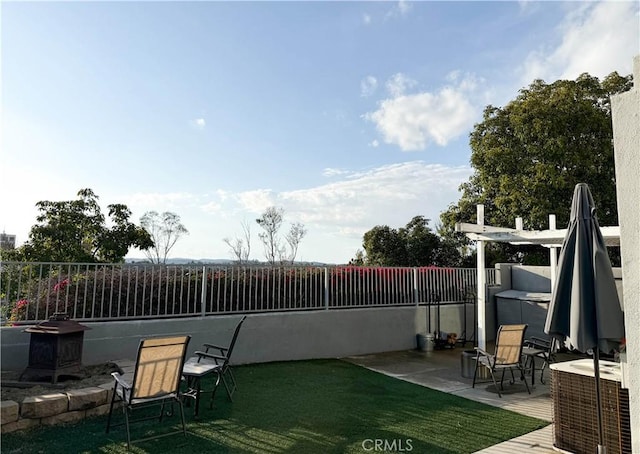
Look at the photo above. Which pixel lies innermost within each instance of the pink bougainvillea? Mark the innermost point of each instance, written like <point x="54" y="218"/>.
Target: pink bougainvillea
<point x="61" y="285"/>
<point x="19" y="311"/>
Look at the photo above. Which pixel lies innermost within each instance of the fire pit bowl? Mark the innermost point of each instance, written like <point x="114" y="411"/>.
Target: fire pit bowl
<point x="55" y="349"/>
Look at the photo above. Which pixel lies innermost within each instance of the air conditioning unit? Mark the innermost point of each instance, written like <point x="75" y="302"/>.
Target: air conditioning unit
<point x="575" y="418"/>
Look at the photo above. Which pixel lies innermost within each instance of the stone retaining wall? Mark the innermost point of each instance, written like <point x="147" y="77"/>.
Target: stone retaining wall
<point x="55" y="408"/>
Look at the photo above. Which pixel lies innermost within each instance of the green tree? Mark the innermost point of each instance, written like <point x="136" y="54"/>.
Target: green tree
<point x="421" y="242"/>
<point x="529" y="155"/>
<point x="413" y="245"/>
<point x="165" y="230"/>
<point x="75" y="231"/>
<point x="359" y="259"/>
<point x="384" y="247"/>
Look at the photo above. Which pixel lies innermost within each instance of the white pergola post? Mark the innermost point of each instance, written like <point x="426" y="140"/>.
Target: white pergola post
<point x="481" y="279"/>
<point x="519" y="224"/>
<point x="553" y="254"/>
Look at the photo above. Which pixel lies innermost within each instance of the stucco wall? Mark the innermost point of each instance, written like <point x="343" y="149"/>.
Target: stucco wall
<point x="264" y="337"/>
<point x="530" y="305"/>
<point x="537" y="279"/>
<point x="531" y="278"/>
<point x="626" y="137"/>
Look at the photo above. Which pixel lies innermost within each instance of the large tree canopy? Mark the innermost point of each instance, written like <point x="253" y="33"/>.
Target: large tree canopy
<point x="529" y="155"/>
<point x="76" y="231"/>
<point x="413" y="245"/>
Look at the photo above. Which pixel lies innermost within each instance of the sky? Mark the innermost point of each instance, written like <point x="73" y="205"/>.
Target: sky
<point x="347" y="115"/>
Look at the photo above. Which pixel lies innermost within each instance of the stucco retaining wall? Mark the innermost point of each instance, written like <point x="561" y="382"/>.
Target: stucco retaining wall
<point x="264" y="337"/>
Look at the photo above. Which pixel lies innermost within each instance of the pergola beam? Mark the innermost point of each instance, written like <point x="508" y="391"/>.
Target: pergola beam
<point x="551" y="238"/>
<point x="547" y="238"/>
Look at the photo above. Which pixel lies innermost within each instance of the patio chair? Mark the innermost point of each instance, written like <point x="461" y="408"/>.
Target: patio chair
<point x="205" y="363"/>
<point x="507" y="355"/>
<point x="156" y="381"/>
<point x="538" y="348"/>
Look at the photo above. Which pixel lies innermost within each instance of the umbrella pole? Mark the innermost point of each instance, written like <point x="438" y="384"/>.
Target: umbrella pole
<point x="602" y="449"/>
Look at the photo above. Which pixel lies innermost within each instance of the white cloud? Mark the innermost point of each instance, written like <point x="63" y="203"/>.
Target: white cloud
<point x="400" y="9"/>
<point x="330" y="172"/>
<point x="413" y="121"/>
<point x="404" y="7"/>
<point x="256" y="201"/>
<point x="399" y="84"/>
<point x="597" y="38"/>
<point x="374" y="143"/>
<point x="222" y="194"/>
<point x="199" y="123"/>
<point x="336" y="214"/>
<point x="154" y="200"/>
<point x="366" y="18"/>
<point x="211" y="207"/>
<point x="368" y="86"/>
<point x="528" y="6"/>
<point x="389" y="195"/>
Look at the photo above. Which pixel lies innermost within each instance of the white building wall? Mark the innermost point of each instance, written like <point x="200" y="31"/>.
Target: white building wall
<point x="626" y="136"/>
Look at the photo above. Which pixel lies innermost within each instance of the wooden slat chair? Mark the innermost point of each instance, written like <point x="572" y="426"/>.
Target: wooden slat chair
<point x="156" y="381"/>
<point x="507" y="356"/>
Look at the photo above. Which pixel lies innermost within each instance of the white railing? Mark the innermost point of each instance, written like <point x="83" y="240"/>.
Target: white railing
<point x="88" y="291"/>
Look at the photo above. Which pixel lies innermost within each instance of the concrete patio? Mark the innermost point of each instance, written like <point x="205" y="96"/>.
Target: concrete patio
<point x="441" y="370"/>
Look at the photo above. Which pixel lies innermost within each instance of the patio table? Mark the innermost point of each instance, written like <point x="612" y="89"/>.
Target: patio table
<point x="530" y="354"/>
<point x="193" y="372"/>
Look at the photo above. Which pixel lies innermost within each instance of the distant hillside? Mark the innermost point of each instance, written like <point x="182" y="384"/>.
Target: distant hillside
<point x="186" y="261"/>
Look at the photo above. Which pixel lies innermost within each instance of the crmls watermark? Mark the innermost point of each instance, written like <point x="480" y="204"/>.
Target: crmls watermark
<point x="381" y="445"/>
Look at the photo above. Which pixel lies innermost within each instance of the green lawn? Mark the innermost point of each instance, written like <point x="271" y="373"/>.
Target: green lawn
<point x="321" y="406"/>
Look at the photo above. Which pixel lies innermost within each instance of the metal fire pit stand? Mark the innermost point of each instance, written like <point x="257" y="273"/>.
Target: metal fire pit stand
<point x="55" y="349"/>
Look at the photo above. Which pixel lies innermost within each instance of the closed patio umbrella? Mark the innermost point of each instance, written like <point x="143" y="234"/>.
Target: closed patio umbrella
<point x="584" y="308"/>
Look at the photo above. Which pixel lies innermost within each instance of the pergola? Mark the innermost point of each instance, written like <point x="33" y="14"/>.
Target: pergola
<point x="551" y="238"/>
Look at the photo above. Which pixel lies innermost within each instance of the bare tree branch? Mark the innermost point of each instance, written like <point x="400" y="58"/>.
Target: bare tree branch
<point x="241" y="247"/>
<point x="293" y="238"/>
<point x="165" y="230"/>
<point x="271" y="221"/>
<point x="274" y="249"/>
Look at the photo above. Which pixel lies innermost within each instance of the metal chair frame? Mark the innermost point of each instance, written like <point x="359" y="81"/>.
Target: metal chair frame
<point x="544" y="349"/>
<point x="507" y="355"/>
<point x="207" y="363"/>
<point x="156" y="381"/>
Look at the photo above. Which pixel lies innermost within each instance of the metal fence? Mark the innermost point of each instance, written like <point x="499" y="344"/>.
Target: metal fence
<point x="89" y="291"/>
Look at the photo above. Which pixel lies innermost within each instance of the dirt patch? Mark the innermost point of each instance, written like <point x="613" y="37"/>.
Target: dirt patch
<point x="88" y="377"/>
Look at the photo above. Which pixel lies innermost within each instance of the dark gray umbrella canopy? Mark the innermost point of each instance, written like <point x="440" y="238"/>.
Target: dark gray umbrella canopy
<point x="584" y="307"/>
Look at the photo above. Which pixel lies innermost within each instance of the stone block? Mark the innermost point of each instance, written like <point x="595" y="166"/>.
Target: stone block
<point x="82" y="399"/>
<point x="102" y="410"/>
<point x="9" y="411"/>
<point x="20" y="424"/>
<point x="43" y="406"/>
<point x="63" y="418"/>
<point x="109" y="388"/>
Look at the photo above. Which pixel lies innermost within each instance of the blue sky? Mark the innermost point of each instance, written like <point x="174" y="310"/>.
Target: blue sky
<point x="347" y="115"/>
